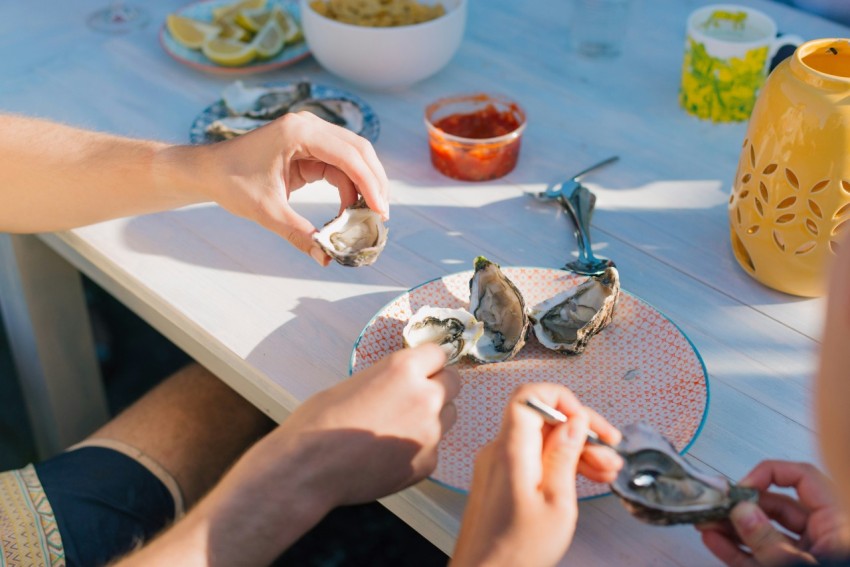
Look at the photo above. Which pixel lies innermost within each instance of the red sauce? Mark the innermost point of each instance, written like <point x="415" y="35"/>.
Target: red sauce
<point x="488" y="122"/>
<point x="471" y="160"/>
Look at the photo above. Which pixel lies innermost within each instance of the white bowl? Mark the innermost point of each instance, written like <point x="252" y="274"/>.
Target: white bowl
<point x="385" y="58"/>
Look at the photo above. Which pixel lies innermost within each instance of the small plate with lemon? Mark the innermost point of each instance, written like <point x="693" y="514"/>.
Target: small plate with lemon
<point x="235" y="37"/>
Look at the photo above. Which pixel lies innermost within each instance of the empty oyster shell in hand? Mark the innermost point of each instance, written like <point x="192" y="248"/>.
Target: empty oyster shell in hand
<point x="567" y="321"/>
<point x="495" y="301"/>
<point x="658" y="486"/>
<point x="356" y="237"/>
<point x="454" y="330"/>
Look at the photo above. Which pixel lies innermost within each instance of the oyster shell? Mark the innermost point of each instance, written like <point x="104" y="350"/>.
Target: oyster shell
<point x="233" y="126"/>
<point x="355" y="238"/>
<point x="337" y="111"/>
<point x="660" y="487"/>
<point x="567" y="321"/>
<point x="495" y="301"/>
<point x="455" y="330"/>
<point x="265" y="103"/>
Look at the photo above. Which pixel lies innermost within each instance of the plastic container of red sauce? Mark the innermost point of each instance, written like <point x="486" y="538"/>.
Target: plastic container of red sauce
<point x="474" y="137"/>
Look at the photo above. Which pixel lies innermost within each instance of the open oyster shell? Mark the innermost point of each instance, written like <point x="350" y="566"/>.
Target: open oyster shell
<point x="567" y="321"/>
<point x="266" y="103"/>
<point x="355" y="238"/>
<point x="660" y="487"/>
<point x="454" y="330"/>
<point x="495" y="301"/>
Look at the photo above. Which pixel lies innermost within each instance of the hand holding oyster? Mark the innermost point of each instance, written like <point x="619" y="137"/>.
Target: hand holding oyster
<point x="355" y="238"/>
<point x="658" y="486"/>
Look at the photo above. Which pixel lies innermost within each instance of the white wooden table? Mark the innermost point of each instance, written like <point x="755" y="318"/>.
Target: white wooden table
<point x="278" y="328"/>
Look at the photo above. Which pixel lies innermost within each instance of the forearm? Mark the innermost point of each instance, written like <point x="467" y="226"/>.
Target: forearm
<point x="257" y="511"/>
<point x="54" y="177"/>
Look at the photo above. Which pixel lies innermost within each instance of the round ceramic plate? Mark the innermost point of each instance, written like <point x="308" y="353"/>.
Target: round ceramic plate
<point x="639" y="368"/>
<point x="202" y="11"/>
<point x="370" y="129"/>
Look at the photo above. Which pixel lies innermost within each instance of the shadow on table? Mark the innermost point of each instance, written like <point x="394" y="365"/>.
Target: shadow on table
<point x="649" y="222"/>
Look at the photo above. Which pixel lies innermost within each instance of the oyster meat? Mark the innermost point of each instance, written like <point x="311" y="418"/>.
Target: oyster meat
<point x="356" y="237"/>
<point x="567" y="321"/>
<point x="658" y="486"/>
<point x="454" y="330"/>
<point x="495" y="301"/>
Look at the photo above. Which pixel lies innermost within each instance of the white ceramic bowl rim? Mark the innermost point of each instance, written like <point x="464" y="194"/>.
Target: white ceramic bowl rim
<point x="387" y="29"/>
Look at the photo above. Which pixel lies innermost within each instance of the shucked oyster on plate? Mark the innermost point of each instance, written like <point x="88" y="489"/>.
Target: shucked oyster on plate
<point x="249" y="107"/>
<point x="658" y="486"/>
<point x="567" y="321"/>
<point x="356" y="237"/>
<point x="455" y="330"/>
<point x="495" y="301"/>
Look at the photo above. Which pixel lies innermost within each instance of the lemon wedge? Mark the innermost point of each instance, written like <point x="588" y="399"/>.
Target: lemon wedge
<point x="291" y="30"/>
<point x="231" y="30"/>
<point x="253" y="20"/>
<point x="236" y="7"/>
<point x="269" y="40"/>
<point x="188" y="32"/>
<point x="228" y="52"/>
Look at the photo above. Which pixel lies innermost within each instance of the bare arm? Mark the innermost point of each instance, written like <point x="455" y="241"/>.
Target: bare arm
<point x="371" y="435"/>
<point x="55" y="177"/>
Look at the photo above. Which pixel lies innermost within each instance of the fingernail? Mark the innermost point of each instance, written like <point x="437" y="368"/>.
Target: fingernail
<point x="318" y="255"/>
<point x="749" y="515"/>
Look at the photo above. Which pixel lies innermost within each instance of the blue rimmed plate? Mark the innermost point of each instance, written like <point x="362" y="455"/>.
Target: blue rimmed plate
<point x="202" y="11"/>
<point x="370" y="129"/>
<point x="641" y="367"/>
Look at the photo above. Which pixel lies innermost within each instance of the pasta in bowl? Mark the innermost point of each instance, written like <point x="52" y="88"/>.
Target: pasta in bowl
<point x="387" y="47"/>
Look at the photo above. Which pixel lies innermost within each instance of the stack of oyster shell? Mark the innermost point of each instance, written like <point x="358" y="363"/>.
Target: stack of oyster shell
<point x="497" y="324"/>
<point x="249" y="108"/>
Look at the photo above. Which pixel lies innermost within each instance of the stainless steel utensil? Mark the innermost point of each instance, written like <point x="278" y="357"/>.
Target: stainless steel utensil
<point x="566" y="187"/>
<point x="578" y="201"/>
<point x="579" y="205"/>
<point x="551" y="415"/>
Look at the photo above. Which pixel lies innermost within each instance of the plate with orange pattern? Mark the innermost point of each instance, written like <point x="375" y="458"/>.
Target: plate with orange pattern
<point x="641" y="367"/>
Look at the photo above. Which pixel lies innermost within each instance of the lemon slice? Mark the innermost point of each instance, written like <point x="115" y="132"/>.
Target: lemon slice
<point x="269" y="41"/>
<point x="228" y="52"/>
<point x="236" y="7"/>
<point x="188" y="32"/>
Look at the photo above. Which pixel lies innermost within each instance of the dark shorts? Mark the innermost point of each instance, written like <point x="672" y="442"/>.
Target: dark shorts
<point x="106" y="503"/>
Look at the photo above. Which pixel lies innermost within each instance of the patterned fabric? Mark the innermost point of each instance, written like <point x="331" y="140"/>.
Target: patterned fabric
<point x="28" y="532"/>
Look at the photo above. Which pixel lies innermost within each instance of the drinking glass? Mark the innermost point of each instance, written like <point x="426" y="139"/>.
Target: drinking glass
<point x="118" y="17"/>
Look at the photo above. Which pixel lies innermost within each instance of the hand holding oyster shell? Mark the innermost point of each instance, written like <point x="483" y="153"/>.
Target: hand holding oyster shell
<point x="253" y="176"/>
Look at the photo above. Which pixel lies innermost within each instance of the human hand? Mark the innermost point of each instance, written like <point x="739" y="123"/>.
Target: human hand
<point x="366" y="437"/>
<point x="818" y="527"/>
<point x="377" y="432"/>
<point x="254" y="174"/>
<point x="522" y="508"/>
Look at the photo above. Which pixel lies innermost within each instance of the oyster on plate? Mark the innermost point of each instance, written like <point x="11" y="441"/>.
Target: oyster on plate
<point x="454" y="330"/>
<point x="495" y="301"/>
<point x="233" y="126"/>
<point x="567" y="321"/>
<point x="251" y="107"/>
<point x="658" y="486"/>
<point x="355" y="238"/>
<point x="266" y="103"/>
